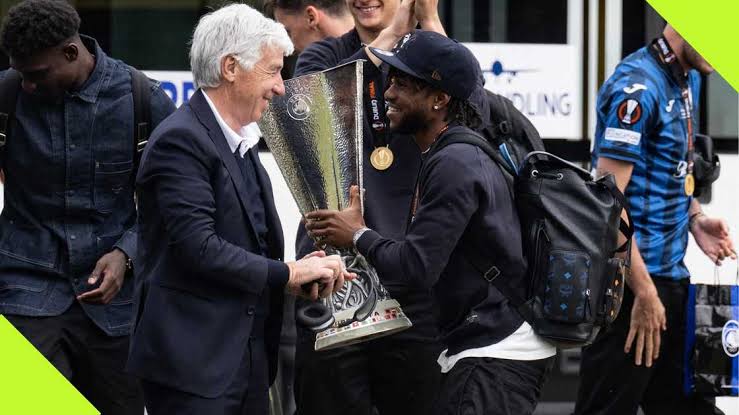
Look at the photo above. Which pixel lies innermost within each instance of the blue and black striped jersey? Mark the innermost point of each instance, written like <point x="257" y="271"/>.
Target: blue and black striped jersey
<point x="642" y="120"/>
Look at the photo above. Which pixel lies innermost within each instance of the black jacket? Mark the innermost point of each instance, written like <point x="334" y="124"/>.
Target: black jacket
<point x="201" y="275"/>
<point x="465" y="210"/>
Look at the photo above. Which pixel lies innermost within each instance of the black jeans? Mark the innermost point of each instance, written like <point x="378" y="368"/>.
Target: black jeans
<point x="90" y="359"/>
<point x="395" y="377"/>
<point x="610" y="382"/>
<point x="489" y="386"/>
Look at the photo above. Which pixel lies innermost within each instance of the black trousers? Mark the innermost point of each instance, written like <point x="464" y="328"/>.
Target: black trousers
<point x="91" y="360"/>
<point x="489" y="386"/>
<point x="248" y="393"/>
<point x="391" y="376"/>
<point x="610" y="382"/>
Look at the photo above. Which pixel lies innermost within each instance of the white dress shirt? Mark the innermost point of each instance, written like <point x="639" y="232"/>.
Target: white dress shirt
<point x="245" y="139"/>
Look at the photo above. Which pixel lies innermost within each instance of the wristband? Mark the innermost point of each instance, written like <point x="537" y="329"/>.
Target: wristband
<point x="693" y="218"/>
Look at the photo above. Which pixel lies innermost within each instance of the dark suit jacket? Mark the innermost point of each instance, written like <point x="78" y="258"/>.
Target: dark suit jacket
<point x="199" y="280"/>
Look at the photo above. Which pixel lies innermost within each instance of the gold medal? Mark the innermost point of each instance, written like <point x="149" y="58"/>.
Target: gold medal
<point x="689" y="184"/>
<point x="381" y="158"/>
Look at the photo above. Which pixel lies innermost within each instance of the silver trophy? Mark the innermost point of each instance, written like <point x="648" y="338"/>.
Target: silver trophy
<point x="315" y="134"/>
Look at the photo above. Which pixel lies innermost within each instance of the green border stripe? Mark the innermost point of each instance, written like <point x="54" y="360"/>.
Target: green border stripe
<point x="711" y="27"/>
<point x="29" y="384"/>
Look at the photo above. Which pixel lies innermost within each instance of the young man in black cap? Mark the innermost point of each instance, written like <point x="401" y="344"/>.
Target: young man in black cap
<point x="462" y="212"/>
<point x="396" y="374"/>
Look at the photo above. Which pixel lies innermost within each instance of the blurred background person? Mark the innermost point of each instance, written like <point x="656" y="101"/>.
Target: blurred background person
<point x="308" y="21"/>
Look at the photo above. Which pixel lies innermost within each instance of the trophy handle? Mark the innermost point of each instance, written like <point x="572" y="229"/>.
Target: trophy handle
<point x="318" y="315"/>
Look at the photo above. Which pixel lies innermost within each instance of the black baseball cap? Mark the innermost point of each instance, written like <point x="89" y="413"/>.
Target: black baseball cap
<point x="442" y="62"/>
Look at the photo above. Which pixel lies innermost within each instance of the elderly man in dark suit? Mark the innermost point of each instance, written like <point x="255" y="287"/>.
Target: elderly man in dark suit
<point x="212" y="280"/>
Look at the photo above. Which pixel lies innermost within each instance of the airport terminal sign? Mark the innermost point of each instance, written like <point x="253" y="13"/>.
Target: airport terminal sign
<point x="542" y="81"/>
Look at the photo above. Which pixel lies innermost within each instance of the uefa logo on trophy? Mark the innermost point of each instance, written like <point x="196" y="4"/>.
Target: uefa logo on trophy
<point x="298" y="107"/>
<point x="314" y="132"/>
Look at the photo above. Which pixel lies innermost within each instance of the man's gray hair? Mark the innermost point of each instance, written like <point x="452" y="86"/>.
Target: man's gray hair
<point x="238" y="30"/>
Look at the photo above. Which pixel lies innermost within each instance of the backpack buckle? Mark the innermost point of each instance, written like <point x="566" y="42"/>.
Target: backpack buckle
<point x="492" y="273"/>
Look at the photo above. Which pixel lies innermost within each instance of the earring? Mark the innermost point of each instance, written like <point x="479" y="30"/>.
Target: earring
<point x="436" y="107"/>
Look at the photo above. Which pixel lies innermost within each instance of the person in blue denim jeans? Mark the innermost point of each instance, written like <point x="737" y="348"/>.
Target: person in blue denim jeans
<point x="68" y="227"/>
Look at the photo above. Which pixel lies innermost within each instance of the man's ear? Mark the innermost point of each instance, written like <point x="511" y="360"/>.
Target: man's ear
<point x="228" y="68"/>
<point x="441" y="100"/>
<point x="71" y="52"/>
<point x="314" y="16"/>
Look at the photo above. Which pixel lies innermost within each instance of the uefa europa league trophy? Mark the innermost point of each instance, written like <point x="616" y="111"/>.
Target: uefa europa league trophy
<point x="315" y="134"/>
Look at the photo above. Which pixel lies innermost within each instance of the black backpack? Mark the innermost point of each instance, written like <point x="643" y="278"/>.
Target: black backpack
<point x="570" y="224"/>
<point x="510" y="133"/>
<point x="10" y="87"/>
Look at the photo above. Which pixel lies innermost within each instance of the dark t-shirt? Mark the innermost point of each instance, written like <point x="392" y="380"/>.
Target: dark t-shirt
<point x="388" y="193"/>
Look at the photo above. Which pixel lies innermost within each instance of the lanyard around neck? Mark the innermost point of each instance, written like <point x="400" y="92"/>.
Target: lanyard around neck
<point x="664" y="55"/>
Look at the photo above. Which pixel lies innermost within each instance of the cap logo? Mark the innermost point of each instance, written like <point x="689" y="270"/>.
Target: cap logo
<point x="435" y="75"/>
<point x="402" y="41"/>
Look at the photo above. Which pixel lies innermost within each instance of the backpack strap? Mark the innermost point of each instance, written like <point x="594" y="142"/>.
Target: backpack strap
<point x="473" y="138"/>
<point x="489" y="271"/>
<point x="141" y="90"/>
<point x="627" y="229"/>
<point x="10" y="87"/>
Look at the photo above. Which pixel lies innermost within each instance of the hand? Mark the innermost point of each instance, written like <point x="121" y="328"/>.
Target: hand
<point x="328" y="271"/>
<point x="337" y="228"/>
<point x="404" y="21"/>
<point x="112" y="269"/>
<point x="427" y="14"/>
<point x="712" y="236"/>
<point x="647" y="319"/>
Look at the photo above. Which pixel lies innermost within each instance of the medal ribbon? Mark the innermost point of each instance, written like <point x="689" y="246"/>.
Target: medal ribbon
<point x="375" y="109"/>
<point x="661" y="50"/>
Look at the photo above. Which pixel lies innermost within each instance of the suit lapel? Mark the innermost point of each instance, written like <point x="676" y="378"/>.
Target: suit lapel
<point x="207" y="118"/>
<point x="274" y="227"/>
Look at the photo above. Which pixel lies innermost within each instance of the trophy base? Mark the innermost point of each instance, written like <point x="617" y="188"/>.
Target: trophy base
<point x="387" y="318"/>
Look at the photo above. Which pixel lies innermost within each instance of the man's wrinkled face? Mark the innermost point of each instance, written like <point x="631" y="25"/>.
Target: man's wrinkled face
<point x="298" y="28"/>
<point x="256" y="87"/>
<point x="409" y="103"/>
<point x="373" y="15"/>
<point x="49" y="73"/>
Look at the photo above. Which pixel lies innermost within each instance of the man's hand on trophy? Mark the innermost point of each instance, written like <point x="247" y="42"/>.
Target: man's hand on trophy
<point x="327" y="273"/>
<point x="336" y="228"/>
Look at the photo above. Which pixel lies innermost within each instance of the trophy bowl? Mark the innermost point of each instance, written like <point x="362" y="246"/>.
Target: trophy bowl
<point x="314" y="132"/>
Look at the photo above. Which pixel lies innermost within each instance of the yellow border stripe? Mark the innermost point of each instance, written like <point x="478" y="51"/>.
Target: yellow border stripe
<point x="711" y="27"/>
<point x="29" y="384"/>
